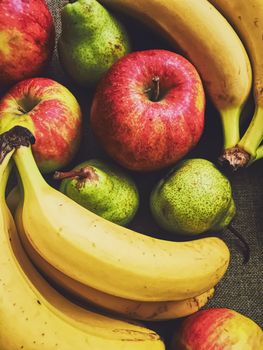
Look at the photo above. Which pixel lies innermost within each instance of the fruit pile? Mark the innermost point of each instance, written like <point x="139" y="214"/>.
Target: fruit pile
<point x="73" y="271"/>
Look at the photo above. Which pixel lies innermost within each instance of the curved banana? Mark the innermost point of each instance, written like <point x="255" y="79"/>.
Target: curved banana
<point x="12" y="199"/>
<point x="34" y="316"/>
<point x="108" y="257"/>
<point x="209" y="42"/>
<point x="147" y="311"/>
<point x="246" y="16"/>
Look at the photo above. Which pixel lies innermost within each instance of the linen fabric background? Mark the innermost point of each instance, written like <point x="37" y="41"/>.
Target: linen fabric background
<point x="241" y="287"/>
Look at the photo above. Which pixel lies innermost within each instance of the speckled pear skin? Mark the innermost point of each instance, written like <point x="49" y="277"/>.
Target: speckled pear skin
<point x="110" y="194"/>
<point x="194" y="197"/>
<point x="90" y="42"/>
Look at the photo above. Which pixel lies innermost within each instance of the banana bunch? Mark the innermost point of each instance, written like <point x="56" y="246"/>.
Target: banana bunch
<point x="223" y="39"/>
<point x="99" y="263"/>
<point x="34" y="316"/>
<point x="153" y="311"/>
<point x="86" y="295"/>
<point x="124" y="307"/>
<point x="94" y="260"/>
<point x="108" y="257"/>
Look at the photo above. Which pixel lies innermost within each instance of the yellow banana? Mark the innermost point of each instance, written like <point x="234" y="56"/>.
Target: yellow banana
<point x="246" y="16"/>
<point x="209" y="42"/>
<point x="148" y="311"/>
<point x="34" y="316"/>
<point x="12" y="199"/>
<point x="108" y="257"/>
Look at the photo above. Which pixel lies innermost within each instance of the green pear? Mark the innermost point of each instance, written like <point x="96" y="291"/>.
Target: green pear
<point x="193" y="198"/>
<point x="92" y="39"/>
<point x="103" y="189"/>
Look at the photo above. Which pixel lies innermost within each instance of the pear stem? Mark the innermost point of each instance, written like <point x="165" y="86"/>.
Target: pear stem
<point x="244" y="242"/>
<point x="82" y="173"/>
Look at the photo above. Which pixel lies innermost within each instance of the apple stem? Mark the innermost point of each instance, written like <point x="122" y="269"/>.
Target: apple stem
<point x="156" y="88"/>
<point x="81" y="174"/>
<point x="244" y="242"/>
<point x="21" y="109"/>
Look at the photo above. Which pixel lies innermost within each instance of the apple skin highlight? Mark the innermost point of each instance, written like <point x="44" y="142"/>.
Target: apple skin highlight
<point x="27" y="39"/>
<point x="142" y="134"/>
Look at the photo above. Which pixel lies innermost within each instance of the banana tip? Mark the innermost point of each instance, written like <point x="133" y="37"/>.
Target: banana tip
<point x="234" y="158"/>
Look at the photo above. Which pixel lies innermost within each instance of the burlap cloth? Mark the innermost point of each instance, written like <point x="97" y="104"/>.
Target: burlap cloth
<point x="241" y="287"/>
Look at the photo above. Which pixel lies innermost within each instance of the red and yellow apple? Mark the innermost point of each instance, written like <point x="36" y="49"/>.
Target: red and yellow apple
<point x="148" y="110"/>
<point x="26" y="39"/>
<point x="53" y="115"/>
<point x="218" y="329"/>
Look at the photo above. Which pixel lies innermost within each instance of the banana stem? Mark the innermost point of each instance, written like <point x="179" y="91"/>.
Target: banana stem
<point x="5" y="169"/>
<point x="254" y="133"/>
<point x="230" y="124"/>
<point x="8" y="142"/>
<point x="28" y="169"/>
<point x="233" y="155"/>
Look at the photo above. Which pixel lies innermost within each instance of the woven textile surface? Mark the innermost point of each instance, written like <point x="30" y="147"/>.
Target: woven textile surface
<point x="241" y="288"/>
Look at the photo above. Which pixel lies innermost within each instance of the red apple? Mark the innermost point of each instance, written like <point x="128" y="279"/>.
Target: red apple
<point x="51" y="113"/>
<point x="148" y="110"/>
<point x="218" y="329"/>
<point x="26" y="39"/>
